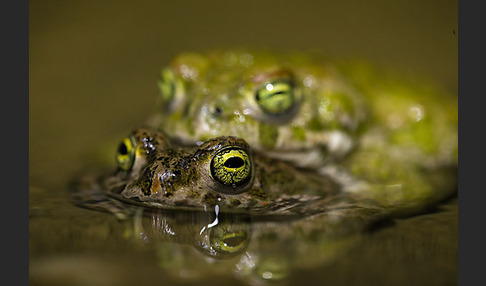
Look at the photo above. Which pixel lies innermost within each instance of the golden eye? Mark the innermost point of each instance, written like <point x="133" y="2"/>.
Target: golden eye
<point x="167" y="85"/>
<point x="231" y="166"/>
<point x="276" y="97"/>
<point x="227" y="241"/>
<point x="125" y="155"/>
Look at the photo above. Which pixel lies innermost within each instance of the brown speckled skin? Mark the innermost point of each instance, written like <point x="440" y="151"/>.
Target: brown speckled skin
<point x="166" y="176"/>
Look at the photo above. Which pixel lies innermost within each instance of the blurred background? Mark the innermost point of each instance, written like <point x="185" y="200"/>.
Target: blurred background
<point x="93" y="67"/>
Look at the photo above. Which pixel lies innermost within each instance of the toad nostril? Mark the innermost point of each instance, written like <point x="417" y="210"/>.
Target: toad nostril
<point x="218" y="111"/>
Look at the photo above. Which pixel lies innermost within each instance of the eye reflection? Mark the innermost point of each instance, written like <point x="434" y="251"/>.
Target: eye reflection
<point x="227" y="240"/>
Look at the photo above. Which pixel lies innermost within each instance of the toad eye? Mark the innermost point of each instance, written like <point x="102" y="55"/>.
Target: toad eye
<point x="228" y="241"/>
<point x="167" y="85"/>
<point x="231" y="167"/>
<point x="276" y="97"/>
<point x="125" y="155"/>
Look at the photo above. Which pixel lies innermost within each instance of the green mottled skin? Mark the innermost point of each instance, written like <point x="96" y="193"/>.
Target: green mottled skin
<point x="214" y="95"/>
<point x="336" y="105"/>
<point x="353" y="131"/>
<point x="359" y="145"/>
<point x="382" y="135"/>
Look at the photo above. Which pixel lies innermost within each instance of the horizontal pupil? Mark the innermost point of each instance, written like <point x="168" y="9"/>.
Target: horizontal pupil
<point x="234" y="241"/>
<point x="234" y="162"/>
<point x="277" y="93"/>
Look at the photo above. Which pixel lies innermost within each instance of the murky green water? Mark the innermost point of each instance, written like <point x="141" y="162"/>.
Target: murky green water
<point x="93" y="67"/>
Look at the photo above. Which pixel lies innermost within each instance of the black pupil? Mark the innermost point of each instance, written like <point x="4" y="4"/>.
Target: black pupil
<point x="234" y="162"/>
<point x="234" y="241"/>
<point x="122" y="149"/>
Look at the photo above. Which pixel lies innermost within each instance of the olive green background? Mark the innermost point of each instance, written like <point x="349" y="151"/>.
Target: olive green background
<point x="93" y="67"/>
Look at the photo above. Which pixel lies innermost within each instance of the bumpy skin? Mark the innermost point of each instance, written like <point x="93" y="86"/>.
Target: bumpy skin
<point x="311" y="110"/>
<point x="406" y="155"/>
<point x="154" y="173"/>
<point x="316" y="113"/>
<point x="369" y="144"/>
<point x="321" y="133"/>
<point x="381" y="135"/>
